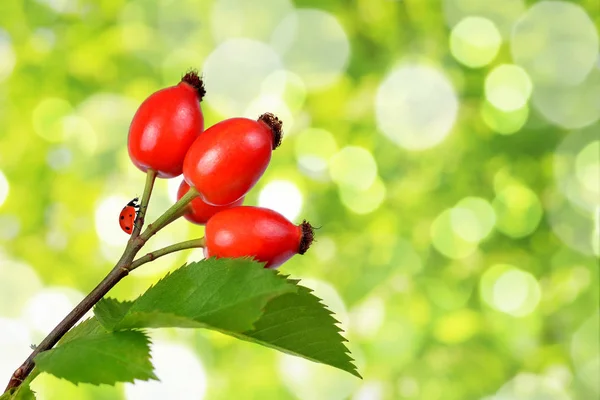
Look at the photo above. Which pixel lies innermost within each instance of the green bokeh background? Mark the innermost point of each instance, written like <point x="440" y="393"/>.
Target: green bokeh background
<point x="440" y="297"/>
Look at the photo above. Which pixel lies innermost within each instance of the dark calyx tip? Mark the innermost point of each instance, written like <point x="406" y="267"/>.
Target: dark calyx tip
<point x="276" y="127"/>
<point x="308" y="236"/>
<point x="194" y="80"/>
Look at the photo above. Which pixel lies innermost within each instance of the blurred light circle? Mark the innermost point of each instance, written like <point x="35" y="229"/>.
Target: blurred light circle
<point x="172" y="188"/>
<point x="8" y="58"/>
<point x="585" y="352"/>
<point x="234" y="73"/>
<point x="56" y="239"/>
<point x="503" y="13"/>
<point x="103" y="112"/>
<point x="587" y="167"/>
<point x="42" y="40"/>
<point x="330" y="296"/>
<point x="313" y="45"/>
<point x="281" y="196"/>
<point x="353" y="167"/>
<point x="9" y="226"/>
<point x="324" y="248"/>
<point x="446" y="240"/>
<point x="556" y="42"/>
<point x="408" y="387"/>
<point x="370" y="391"/>
<point x="475" y="41"/>
<point x="313" y="381"/>
<point x="576" y="227"/>
<point x="526" y="386"/>
<point x="510" y="290"/>
<point x="288" y="86"/>
<point x="314" y="147"/>
<point x="49" y="306"/>
<point x="49" y="117"/>
<point x="504" y="123"/>
<point x="15" y="340"/>
<point x="508" y="87"/>
<point x="363" y="201"/>
<point x="4" y="188"/>
<point x="107" y="220"/>
<point x="180" y="59"/>
<point x="416" y="106"/>
<point x="516" y="293"/>
<point x="60" y="6"/>
<point x="181" y="375"/>
<point x="473" y="219"/>
<point x="367" y="318"/>
<point x="240" y="19"/>
<point x="79" y="132"/>
<point x="570" y="107"/>
<point x="19" y="282"/>
<point x="58" y="158"/>
<point x="518" y="211"/>
<point x="274" y="104"/>
<point x="577" y="167"/>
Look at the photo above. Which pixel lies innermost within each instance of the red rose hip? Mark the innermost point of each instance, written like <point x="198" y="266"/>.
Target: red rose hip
<point x="165" y="125"/>
<point x="198" y="211"/>
<point x="256" y="232"/>
<point x="225" y="162"/>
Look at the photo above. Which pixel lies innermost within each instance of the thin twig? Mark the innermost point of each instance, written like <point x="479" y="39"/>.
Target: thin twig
<point x="139" y="220"/>
<point x="120" y="270"/>
<point x="189" y="244"/>
<point x="174" y="212"/>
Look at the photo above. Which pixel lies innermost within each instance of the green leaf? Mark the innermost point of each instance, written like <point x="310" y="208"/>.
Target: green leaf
<point x="91" y="354"/>
<point x="224" y="294"/>
<point x="299" y="324"/>
<point x="109" y="312"/>
<point x="240" y="298"/>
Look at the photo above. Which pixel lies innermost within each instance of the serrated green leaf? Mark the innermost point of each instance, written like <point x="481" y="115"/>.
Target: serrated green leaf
<point x="88" y="327"/>
<point x="109" y="312"/>
<point x="240" y="298"/>
<point x="224" y="294"/>
<point x="299" y="324"/>
<point x="91" y="354"/>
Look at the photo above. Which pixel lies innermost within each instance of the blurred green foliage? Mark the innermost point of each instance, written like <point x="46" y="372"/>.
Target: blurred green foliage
<point x="460" y="270"/>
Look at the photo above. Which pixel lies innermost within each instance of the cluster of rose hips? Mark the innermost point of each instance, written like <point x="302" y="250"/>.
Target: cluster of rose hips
<point x="221" y="163"/>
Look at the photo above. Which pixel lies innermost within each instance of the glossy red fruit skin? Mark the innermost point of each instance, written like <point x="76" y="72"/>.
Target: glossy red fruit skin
<point x="256" y="232"/>
<point x="227" y="160"/>
<point x="164" y="127"/>
<point x="200" y="212"/>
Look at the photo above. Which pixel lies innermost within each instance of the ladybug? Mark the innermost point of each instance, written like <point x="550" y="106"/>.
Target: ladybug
<point x="127" y="216"/>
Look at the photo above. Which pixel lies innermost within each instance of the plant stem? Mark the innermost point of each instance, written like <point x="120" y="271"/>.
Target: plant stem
<point x="174" y="212"/>
<point x="190" y="244"/>
<point x="120" y="270"/>
<point x="139" y="220"/>
<point x="117" y="273"/>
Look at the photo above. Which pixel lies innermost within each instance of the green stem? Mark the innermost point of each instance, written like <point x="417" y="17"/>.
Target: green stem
<point x="174" y="212"/>
<point x="139" y="220"/>
<point x="189" y="244"/>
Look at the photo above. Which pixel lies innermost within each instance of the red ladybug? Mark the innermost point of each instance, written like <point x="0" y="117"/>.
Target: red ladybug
<point x="127" y="216"/>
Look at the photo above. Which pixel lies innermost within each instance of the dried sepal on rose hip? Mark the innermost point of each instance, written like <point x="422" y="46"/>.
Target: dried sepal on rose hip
<point x="165" y="125"/>
<point x="227" y="160"/>
<point x="256" y="232"/>
<point x="198" y="212"/>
